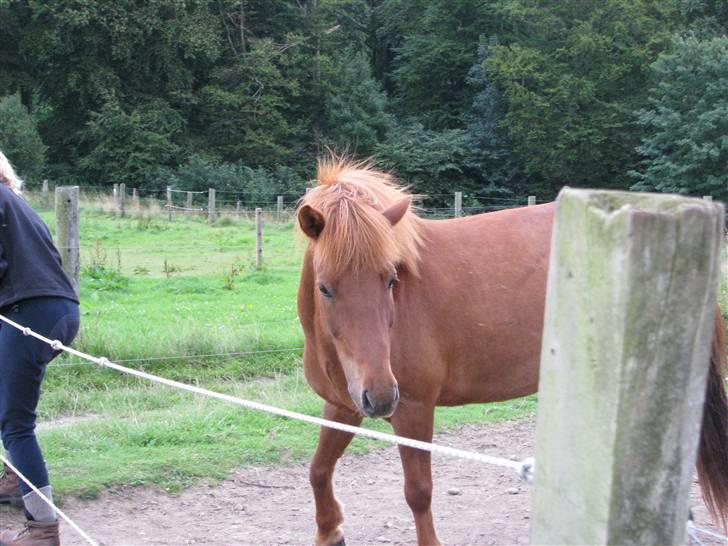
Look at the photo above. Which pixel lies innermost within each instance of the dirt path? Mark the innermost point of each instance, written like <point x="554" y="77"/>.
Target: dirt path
<point x="474" y="504"/>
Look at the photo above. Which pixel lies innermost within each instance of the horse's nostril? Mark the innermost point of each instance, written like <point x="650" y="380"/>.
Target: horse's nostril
<point x="395" y="398"/>
<point x="368" y="406"/>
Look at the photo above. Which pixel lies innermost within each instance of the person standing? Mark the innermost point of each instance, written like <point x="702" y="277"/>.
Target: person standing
<point x="34" y="292"/>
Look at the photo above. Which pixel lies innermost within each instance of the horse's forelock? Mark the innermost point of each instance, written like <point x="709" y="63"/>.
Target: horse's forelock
<point x="352" y="196"/>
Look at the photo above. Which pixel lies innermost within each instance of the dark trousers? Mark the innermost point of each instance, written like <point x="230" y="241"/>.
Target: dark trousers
<point x="23" y="361"/>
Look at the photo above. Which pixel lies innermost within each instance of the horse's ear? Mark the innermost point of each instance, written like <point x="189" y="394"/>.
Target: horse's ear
<point x="395" y="213"/>
<point x="311" y="221"/>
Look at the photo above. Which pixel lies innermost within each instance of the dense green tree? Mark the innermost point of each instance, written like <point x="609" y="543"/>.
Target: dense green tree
<point x="245" y="107"/>
<point x="436" y="43"/>
<point x="686" y="122"/>
<point x="430" y="161"/>
<point x="19" y="138"/>
<point x="490" y="157"/>
<point x="572" y="80"/>
<point x="128" y="146"/>
<point x="355" y="107"/>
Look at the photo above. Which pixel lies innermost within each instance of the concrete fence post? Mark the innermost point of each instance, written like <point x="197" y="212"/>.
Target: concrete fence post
<point x="189" y="202"/>
<point x="211" y="205"/>
<point x="122" y="199"/>
<point x="258" y="238"/>
<point x="279" y="208"/>
<point x="237" y="209"/>
<point x="115" y="194"/>
<point x="630" y="309"/>
<point x="67" y="232"/>
<point x="135" y="198"/>
<point x="458" y="203"/>
<point x="531" y="200"/>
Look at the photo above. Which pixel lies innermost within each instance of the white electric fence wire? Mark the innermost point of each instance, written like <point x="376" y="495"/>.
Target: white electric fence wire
<point x="524" y="468"/>
<point x="693" y="537"/>
<point x="693" y="527"/>
<point x="49" y="502"/>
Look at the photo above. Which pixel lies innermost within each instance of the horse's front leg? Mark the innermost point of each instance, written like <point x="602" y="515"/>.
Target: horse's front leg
<point x="331" y="446"/>
<point x="416" y="421"/>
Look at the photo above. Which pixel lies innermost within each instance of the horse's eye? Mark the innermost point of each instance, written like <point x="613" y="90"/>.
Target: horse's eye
<point x="394" y="280"/>
<point x="325" y="291"/>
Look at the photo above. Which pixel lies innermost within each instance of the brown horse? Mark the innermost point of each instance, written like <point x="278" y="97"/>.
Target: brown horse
<point x="405" y="314"/>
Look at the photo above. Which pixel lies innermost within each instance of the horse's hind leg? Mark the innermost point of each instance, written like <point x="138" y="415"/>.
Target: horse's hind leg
<point x="416" y="421"/>
<point x="331" y="446"/>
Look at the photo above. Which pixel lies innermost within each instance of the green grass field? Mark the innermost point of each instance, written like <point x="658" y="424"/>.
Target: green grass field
<point x="184" y="300"/>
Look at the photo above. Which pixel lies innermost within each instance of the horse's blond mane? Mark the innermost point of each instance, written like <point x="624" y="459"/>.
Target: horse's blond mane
<point x="351" y="196"/>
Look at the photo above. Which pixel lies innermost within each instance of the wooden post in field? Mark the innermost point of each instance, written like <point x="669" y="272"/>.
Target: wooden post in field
<point x="629" y="320"/>
<point x="279" y="207"/>
<point x="458" y="203"/>
<point x="531" y="200"/>
<point x="115" y="195"/>
<point x="169" y="203"/>
<point x="237" y="209"/>
<point x="258" y="238"/>
<point x="211" y="205"/>
<point x="134" y="198"/>
<point x="122" y="199"/>
<point x="44" y="196"/>
<point x="189" y="202"/>
<point x="67" y="231"/>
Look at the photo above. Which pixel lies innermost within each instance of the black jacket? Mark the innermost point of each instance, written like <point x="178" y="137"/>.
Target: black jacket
<point x="30" y="265"/>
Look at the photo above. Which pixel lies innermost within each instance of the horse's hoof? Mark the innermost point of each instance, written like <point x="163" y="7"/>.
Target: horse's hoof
<point x="342" y="542"/>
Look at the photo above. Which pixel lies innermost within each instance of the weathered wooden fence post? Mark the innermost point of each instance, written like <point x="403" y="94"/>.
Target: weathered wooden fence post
<point x="458" y="203"/>
<point x="211" y="205"/>
<point x="67" y="231"/>
<point x="169" y="203"/>
<point x="630" y="310"/>
<point x="258" y="238"/>
<point x="279" y="207"/>
<point x="44" y="197"/>
<point x="237" y="209"/>
<point x="189" y="202"/>
<point x="135" y="198"/>
<point x="531" y="200"/>
<point x="122" y="199"/>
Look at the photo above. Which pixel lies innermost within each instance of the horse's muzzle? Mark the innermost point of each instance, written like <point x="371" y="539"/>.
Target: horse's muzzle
<point x="379" y="406"/>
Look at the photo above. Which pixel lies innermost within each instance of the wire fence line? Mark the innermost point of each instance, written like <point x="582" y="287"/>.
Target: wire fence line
<point x="192" y="357"/>
<point x="524" y="468"/>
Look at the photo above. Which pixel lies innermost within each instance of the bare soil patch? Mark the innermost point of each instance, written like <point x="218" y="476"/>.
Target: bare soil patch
<point x="474" y="504"/>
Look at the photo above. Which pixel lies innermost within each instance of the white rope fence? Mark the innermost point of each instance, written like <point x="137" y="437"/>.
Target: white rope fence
<point x="524" y="468"/>
<point x="693" y="531"/>
<point x="50" y="503"/>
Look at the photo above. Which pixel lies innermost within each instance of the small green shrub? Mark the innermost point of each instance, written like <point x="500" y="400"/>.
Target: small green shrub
<point x="100" y="278"/>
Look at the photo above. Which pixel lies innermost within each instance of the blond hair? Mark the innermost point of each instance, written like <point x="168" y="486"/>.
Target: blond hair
<point x="8" y="176"/>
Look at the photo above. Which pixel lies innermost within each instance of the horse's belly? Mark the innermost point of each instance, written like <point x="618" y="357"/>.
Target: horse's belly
<point x="490" y="374"/>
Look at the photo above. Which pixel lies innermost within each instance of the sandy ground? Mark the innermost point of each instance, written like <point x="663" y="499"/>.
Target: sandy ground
<point x="474" y="504"/>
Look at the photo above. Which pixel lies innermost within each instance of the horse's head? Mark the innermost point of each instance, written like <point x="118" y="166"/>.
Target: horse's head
<point x="354" y="301"/>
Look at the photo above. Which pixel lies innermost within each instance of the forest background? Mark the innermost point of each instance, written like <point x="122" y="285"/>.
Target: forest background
<point x="494" y="98"/>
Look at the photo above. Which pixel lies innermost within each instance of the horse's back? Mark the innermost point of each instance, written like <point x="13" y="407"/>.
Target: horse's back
<point x="470" y="328"/>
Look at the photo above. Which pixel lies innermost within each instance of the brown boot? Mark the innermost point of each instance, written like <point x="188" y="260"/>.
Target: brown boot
<point x="10" y="488"/>
<point x="36" y="533"/>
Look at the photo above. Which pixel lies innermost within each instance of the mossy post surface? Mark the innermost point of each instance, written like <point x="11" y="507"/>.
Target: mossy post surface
<point x="630" y="305"/>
